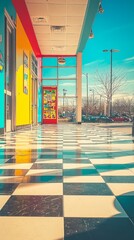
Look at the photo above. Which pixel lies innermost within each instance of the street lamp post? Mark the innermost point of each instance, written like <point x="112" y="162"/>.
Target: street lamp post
<point x="64" y="94"/>
<point x="111" y="75"/>
<point x="92" y="90"/>
<point x="86" y="75"/>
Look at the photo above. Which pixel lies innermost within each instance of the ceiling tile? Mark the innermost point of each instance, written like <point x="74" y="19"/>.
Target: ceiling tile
<point x="74" y="20"/>
<point x="58" y="36"/>
<point x="72" y="42"/>
<point x="57" y="10"/>
<point x="77" y="1"/>
<point x="76" y="10"/>
<point x="57" y="21"/>
<point x="44" y="36"/>
<point x="57" y="1"/>
<point x="73" y="29"/>
<point x="37" y="9"/>
<point x="72" y="36"/>
<point x="36" y="1"/>
<point x="42" y="29"/>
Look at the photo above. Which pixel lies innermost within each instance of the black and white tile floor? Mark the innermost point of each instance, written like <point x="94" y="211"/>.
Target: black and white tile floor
<point x="72" y="182"/>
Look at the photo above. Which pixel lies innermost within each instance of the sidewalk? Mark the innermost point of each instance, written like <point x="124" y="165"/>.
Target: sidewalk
<point x="118" y="127"/>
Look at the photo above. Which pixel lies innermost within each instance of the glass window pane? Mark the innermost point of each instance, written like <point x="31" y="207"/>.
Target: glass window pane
<point x="49" y="62"/>
<point x="67" y="72"/>
<point x="67" y="88"/>
<point x="49" y="83"/>
<point x="49" y="73"/>
<point x="67" y="109"/>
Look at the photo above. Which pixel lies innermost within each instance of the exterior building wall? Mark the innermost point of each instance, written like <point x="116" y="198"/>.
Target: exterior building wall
<point x="23" y="100"/>
<point x="11" y="11"/>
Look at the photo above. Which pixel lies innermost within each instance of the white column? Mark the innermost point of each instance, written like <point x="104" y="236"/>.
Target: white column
<point x="79" y="88"/>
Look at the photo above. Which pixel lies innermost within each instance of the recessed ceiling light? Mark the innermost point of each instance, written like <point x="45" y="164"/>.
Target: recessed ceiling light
<point x="39" y="20"/>
<point x="58" y="29"/>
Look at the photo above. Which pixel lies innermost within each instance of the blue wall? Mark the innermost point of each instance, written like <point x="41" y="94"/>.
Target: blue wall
<point x="5" y="4"/>
<point x="40" y="104"/>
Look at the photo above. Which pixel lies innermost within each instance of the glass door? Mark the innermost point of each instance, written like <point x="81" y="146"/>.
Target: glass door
<point x="8" y="79"/>
<point x="34" y="100"/>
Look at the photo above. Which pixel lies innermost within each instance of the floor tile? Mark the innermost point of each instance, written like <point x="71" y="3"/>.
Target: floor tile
<point x="52" y="156"/>
<point x="119" y="160"/>
<point x="115" y="172"/>
<point x="92" y="206"/>
<point x="83" y="179"/>
<point x="76" y="160"/>
<point x="39" y="189"/>
<point x="41" y="179"/>
<point x="122" y="188"/>
<point x="50" y="206"/>
<point x="78" y="166"/>
<point x="10" y="179"/>
<point x="119" y="179"/>
<point x="45" y="172"/>
<point x="46" y="166"/>
<point x="13" y="172"/>
<point x="3" y="200"/>
<point x="98" y="228"/>
<point x="55" y="161"/>
<point x="127" y="202"/>
<point x="86" y="189"/>
<point x="23" y="228"/>
<point x="16" y="166"/>
<point x="23" y="159"/>
<point x="7" y="188"/>
<point x="80" y="172"/>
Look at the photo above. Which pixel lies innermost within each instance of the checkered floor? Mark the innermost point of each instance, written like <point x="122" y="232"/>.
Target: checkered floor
<point x="72" y="182"/>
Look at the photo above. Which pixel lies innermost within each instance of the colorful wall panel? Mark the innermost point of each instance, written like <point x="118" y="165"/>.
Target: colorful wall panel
<point x="23" y="77"/>
<point x="11" y="11"/>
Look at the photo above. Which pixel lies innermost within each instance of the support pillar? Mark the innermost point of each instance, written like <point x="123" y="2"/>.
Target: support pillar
<point x="79" y="89"/>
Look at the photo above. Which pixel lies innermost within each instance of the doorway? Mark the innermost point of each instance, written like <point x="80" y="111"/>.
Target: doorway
<point x="10" y="74"/>
<point x="34" y="101"/>
<point x="34" y="72"/>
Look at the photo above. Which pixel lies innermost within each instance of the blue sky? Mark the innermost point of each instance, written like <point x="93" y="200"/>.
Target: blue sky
<point x="114" y="29"/>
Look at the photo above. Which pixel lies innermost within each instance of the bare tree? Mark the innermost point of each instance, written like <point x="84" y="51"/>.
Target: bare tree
<point x="94" y="108"/>
<point x="124" y="105"/>
<point x="103" y="85"/>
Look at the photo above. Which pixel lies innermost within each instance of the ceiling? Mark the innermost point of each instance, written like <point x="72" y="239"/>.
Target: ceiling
<point x="57" y="24"/>
<point x="57" y="27"/>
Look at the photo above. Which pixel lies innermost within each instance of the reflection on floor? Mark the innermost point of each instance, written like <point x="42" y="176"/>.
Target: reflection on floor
<point x="72" y="182"/>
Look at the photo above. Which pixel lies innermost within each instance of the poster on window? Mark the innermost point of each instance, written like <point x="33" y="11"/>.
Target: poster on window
<point x="49" y="105"/>
<point x="25" y="80"/>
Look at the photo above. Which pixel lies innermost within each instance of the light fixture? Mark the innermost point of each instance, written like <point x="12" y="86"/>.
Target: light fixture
<point x="39" y="20"/>
<point x="61" y="60"/>
<point x="101" y="10"/>
<point x="58" y="29"/>
<point x="91" y="34"/>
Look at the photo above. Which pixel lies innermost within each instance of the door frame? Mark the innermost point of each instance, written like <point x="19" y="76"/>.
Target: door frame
<point x="34" y="74"/>
<point x="34" y="100"/>
<point x="9" y="24"/>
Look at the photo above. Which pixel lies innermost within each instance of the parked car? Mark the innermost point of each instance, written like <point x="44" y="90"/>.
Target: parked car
<point x="100" y="119"/>
<point x="118" y="118"/>
<point x="84" y="118"/>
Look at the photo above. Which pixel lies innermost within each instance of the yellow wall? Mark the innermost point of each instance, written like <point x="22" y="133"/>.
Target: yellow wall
<point x="23" y="101"/>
